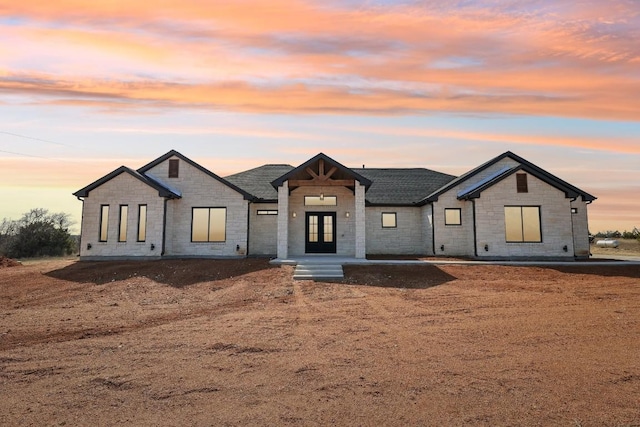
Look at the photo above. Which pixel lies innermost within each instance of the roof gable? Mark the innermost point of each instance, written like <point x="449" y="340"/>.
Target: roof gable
<point x="174" y="153"/>
<point x="525" y="165"/>
<point x="162" y="190"/>
<point x="337" y="172"/>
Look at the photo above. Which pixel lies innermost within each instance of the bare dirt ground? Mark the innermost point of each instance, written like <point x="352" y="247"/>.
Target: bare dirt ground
<point x="214" y="343"/>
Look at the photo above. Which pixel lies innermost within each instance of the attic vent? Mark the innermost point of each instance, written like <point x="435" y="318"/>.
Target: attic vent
<point x="521" y="183"/>
<point x="174" y="167"/>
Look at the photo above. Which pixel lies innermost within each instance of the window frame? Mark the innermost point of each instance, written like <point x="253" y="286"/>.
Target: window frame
<point x="395" y="219"/>
<point x="144" y="226"/>
<point x="322" y="199"/>
<point x="459" y="223"/>
<point x="123" y="225"/>
<point x="174" y="168"/>
<point x="103" y="226"/>
<point x="209" y="208"/>
<point x="522" y="183"/>
<point x="522" y="223"/>
<point x="267" y="212"/>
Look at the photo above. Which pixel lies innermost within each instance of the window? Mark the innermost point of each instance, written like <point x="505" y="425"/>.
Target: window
<point x="389" y="220"/>
<point x="122" y="229"/>
<point x="521" y="183"/>
<point x="208" y="224"/>
<point x="522" y="224"/>
<point x="320" y="200"/>
<point x="574" y="210"/>
<point x="453" y="216"/>
<point x="174" y="168"/>
<point x="104" y="223"/>
<point x="267" y="212"/>
<point x="142" y="223"/>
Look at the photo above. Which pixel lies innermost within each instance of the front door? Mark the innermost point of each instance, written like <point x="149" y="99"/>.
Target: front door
<point x="320" y="231"/>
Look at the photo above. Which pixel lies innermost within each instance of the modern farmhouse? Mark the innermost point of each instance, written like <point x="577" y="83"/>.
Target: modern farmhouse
<point x="174" y="207"/>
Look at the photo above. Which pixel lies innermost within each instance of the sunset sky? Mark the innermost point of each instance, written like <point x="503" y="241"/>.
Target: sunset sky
<point x="89" y="86"/>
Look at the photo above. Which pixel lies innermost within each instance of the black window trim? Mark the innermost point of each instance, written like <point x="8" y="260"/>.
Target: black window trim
<point x="208" y="223"/>
<point x="145" y="223"/>
<point x="395" y="219"/>
<point x="539" y="222"/>
<point x="100" y="225"/>
<point x="453" y="224"/>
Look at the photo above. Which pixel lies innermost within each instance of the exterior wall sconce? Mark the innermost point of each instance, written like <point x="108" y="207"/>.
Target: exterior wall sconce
<point x="89" y="246"/>
<point x="294" y="215"/>
<point x="486" y="248"/>
<point x="442" y="248"/>
<point x="347" y="214"/>
<point x="237" y="248"/>
<point x="565" y="248"/>
<point x="321" y="196"/>
<point x="153" y="247"/>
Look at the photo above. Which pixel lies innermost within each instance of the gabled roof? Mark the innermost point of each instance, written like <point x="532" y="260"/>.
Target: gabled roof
<point x="538" y="172"/>
<point x="328" y="160"/>
<point x="162" y="190"/>
<point x="396" y="187"/>
<point x="174" y="153"/>
<point x="257" y="181"/>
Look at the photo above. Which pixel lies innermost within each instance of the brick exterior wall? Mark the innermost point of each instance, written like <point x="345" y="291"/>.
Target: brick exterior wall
<point x="406" y="238"/>
<point x="201" y="190"/>
<point x="263" y="230"/>
<point x="122" y="190"/>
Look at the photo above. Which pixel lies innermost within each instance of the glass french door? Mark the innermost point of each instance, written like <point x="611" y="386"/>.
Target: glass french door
<point x="320" y="232"/>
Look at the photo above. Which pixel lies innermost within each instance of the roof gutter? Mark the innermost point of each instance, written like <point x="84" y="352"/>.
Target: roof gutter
<point x="475" y="231"/>
<point x="164" y="227"/>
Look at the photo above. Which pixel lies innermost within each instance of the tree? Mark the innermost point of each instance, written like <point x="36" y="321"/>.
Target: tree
<point x="37" y="233"/>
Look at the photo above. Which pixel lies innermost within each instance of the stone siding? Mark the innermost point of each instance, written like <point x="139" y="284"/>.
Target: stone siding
<point x="580" y="224"/>
<point x="406" y="238"/>
<point x="263" y="230"/>
<point x="555" y="213"/>
<point x="122" y="190"/>
<point x="198" y="189"/>
<point x="345" y="227"/>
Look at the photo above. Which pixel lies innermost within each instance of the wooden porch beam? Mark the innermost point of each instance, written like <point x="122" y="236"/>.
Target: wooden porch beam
<point x="328" y="183"/>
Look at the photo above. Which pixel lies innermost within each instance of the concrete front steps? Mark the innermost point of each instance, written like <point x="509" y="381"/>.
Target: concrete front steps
<point x="311" y="271"/>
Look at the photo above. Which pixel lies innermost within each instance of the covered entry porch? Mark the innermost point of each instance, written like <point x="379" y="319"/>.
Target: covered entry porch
<point x="322" y="206"/>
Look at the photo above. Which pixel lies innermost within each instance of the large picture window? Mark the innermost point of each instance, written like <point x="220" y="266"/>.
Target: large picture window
<point x="104" y="223"/>
<point x="453" y="216"/>
<point x="208" y="224"/>
<point x="522" y="224"/>
<point x="122" y="230"/>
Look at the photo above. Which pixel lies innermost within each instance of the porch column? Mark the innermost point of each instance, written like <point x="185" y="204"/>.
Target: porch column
<point x="283" y="220"/>
<point x="361" y="249"/>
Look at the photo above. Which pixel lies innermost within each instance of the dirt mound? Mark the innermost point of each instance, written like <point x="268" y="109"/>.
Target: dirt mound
<point x="8" y="262"/>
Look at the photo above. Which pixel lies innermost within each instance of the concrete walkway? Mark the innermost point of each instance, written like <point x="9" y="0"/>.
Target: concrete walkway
<point x="337" y="260"/>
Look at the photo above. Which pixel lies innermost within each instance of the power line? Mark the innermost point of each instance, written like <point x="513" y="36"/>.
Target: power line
<point x="36" y="139"/>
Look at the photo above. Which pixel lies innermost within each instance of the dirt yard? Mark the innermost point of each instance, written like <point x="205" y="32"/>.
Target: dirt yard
<point x="215" y="343"/>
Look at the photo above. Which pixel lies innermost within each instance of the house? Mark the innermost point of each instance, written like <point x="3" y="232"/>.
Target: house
<point x="506" y="208"/>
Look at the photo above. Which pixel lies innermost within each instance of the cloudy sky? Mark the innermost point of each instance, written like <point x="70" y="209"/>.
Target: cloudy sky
<point x="88" y="86"/>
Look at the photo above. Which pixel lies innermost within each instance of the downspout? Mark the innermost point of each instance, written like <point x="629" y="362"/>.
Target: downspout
<point x="164" y="227"/>
<point x="248" y="227"/>
<point x="573" y="237"/>
<point x="433" y="231"/>
<point x="475" y="231"/>
<point x="81" y="223"/>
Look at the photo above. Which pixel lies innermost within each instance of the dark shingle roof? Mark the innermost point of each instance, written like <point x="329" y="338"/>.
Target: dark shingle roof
<point x="388" y="187"/>
<point x="402" y="186"/>
<point x="257" y="181"/>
